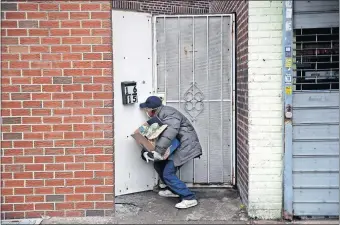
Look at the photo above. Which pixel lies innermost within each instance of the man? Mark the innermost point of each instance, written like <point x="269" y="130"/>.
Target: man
<point x="178" y="127"/>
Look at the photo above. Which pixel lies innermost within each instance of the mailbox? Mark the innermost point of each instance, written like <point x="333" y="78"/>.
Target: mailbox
<point x="129" y="92"/>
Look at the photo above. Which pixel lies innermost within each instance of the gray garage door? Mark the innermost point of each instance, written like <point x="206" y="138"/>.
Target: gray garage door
<point x="194" y="69"/>
<point x="316" y="110"/>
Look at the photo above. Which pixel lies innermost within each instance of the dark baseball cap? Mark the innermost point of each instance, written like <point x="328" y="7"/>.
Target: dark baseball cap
<point x="151" y="102"/>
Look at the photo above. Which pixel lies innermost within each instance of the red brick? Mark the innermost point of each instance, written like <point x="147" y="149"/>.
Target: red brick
<point x="61" y="96"/>
<point x="90" y="23"/>
<point x="75" y="182"/>
<point x="28" y="7"/>
<point x="70" y="6"/>
<point x="75" y="166"/>
<point x="10" y="40"/>
<point x="48" y="7"/>
<point x="23" y="207"/>
<point x="80" y="32"/>
<point x="70" y="24"/>
<point x="38" y="32"/>
<point x="51" y="88"/>
<point x="36" y="167"/>
<point x="90" y="7"/>
<point x="15" y="215"/>
<point x="41" y="128"/>
<point x="53" y="104"/>
<point x="75" y="151"/>
<point x="23" y="159"/>
<point x="33" y="136"/>
<point x="79" y="15"/>
<point x="44" y="206"/>
<point x="14" y="199"/>
<point x="23" y="191"/>
<point x="43" y="159"/>
<point x="30" y="57"/>
<point x="41" y="112"/>
<point x="64" y="206"/>
<point x="72" y="56"/>
<point x="64" y="190"/>
<point x="51" y="57"/>
<point x="92" y="40"/>
<point x="18" y="49"/>
<point x="7" y="207"/>
<point x="54" y="151"/>
<point x="48" y="24"/>
<point x="15" y="15"/>
<point x="55" y="182"/>
<point x="75" y="213"/>
<point x="44" y="190"/>
<point x="84" y="205"/>
<point x="54" y="167"/>
<point x="94" y="166"/>
<point x="64" y="159"/>
<point x="31" y="72"/>
<point x="81" y="48"/>
<point x="103" y="189"/>
<point x="94" y="182"/>
<point x="9" y="24"/>
<point x="102" y="48"/>
<point x="37" y="198"/>
<point x="58" y="16"/>
<point x="11" y="72"/>
<point x="100" y="15"/>
<point x="60" y="32"/>
<point x="43" y="175"/>
<point x="61" y="48"/>
<point x="36" y="15"/>
<point x="50" y="40"/>
<point x="55" y="213"/>
<point x="40" y="49"/>
<point x="63" y="174"/>
<point x="75" y="198"/>
<point x="62" y="112"/>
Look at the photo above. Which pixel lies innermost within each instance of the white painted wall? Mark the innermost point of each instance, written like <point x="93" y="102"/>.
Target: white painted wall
<point x="265" y="110"/>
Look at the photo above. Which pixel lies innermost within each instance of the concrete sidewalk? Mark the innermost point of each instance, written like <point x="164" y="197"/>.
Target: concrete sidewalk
<point x="216" y="206"/>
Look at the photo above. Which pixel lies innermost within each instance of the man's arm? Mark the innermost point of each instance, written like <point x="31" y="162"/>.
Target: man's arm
<point x="170" y="133"/>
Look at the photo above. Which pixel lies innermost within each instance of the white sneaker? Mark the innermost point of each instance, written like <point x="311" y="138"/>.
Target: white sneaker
<point x="185" y="204"/>
<point x="168" y="194"/>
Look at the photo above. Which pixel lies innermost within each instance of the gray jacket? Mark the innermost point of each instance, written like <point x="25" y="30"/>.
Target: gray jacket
<point x="178" y="127"/>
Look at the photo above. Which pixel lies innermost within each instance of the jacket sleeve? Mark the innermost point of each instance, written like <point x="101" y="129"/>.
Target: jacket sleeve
<point x="164" y="141"/>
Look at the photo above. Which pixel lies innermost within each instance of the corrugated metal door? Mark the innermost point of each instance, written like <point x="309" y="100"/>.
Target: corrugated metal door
<point x="315" y="149"/>
<point x="194" y="71"/>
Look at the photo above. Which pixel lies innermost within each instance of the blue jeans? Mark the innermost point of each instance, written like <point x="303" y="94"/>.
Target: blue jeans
<point x="167" y="172"/>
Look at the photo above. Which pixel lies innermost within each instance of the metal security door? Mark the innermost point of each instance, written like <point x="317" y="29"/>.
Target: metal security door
<point x="312" y="140"/>
<point x="194" y="70"/>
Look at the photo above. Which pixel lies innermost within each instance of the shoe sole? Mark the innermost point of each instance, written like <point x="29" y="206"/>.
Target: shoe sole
<point x="187" y="207"/>
<point x="169" y="196"/>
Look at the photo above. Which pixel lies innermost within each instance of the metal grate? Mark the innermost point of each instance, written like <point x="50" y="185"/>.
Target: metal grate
<point x="317" y="59"/>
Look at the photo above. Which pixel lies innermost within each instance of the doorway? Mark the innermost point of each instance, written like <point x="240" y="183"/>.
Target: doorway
<point x="189" y="61"/>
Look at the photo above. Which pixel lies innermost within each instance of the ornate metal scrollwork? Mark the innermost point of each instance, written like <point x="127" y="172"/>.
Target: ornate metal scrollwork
<point x="194" y="105"/>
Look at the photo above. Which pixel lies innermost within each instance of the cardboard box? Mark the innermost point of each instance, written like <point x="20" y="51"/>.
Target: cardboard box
<point x="149" y="142"/>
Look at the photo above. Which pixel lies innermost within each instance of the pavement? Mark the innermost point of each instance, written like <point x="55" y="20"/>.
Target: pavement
<point x="216" y="206"/>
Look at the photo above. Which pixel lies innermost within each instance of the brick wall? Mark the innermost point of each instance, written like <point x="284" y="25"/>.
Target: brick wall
<point x="241" y="10"/>
<point x="265" y="109"/>
<point x="57" y="144"/>
<point x="165" y="7"/>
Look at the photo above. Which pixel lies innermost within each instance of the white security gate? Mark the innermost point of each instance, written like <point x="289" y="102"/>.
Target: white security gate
<point x="193" y="68"/>
<point x="194" y="73"/>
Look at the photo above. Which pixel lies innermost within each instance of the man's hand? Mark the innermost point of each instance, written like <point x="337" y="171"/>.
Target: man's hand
<point x="157" y="156"/>
<point x="147" y="157"/>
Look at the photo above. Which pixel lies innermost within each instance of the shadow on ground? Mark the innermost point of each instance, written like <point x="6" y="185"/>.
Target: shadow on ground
<point x="214" y="205"/>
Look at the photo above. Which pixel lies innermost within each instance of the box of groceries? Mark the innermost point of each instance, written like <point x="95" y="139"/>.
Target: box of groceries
<point x="147" y="134"/>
